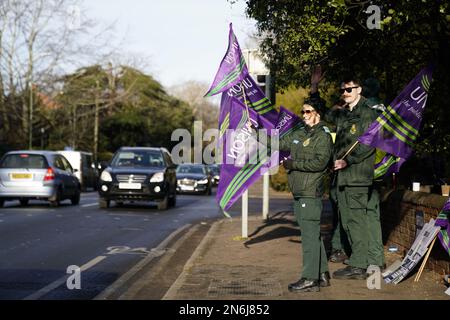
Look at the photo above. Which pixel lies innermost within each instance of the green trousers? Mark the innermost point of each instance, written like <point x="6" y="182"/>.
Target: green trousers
<point x="339" y="240"/>
<point x="308" y="212"/>
<point x="352" y="205"/>
<point x="376" y="248"/>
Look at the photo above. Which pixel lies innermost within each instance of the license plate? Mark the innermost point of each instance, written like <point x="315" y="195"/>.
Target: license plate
<point x="187" y="188"/>
<point x="130" y="186"/>
<point x="21" y="176"/>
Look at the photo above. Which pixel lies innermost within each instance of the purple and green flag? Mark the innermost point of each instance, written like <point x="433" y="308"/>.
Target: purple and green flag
<point x="233" y="80"/>
<point x="232" y="69"/>
<point x="244" y="158"/>
<point x="396" y="129"/>
<point x="443" y="221"/>
<point x="287" y="123"/>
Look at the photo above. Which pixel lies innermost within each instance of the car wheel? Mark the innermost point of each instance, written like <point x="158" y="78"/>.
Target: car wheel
<point x="1" y="203"/>
<point x="163" y="204"/>
<point x="76" y="198"/>
<point x="23" y="202"/>
<point x="54" y="201"/>
<point x="173" y="200"/>
<point x="103" y="203"/>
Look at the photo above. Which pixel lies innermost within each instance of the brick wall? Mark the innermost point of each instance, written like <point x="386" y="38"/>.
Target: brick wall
<point x="398" y="220"/>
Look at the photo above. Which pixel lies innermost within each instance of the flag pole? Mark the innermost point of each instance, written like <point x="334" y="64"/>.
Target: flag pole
<point x="245" y="195"/>
<point x="416" y="279"/>
<point x="350" y="150"/>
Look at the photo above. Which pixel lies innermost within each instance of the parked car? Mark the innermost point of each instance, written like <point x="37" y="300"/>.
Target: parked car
<point x="193" y="178"/>
<point x="139" y="174"/>
<point x="214" y="169"/>
<point x="86" y="172"/>
<point x="42" y="175"/>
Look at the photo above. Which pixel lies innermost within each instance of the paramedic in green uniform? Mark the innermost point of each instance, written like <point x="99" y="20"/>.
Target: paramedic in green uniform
<point x="311" y="149"/>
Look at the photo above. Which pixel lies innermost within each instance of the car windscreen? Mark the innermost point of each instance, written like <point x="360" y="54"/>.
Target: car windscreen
<point x="191" y="169"/>
<point x="214" y="170"/>
<point x="138" y="159"/>
<point x="24" y="161"/>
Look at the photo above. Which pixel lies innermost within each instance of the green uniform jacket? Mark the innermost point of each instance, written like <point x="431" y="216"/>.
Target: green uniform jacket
<point x="311" y="149"/>
<point x="349" y="126"/>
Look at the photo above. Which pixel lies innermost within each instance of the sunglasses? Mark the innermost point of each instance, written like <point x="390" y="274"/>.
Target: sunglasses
<point x="349" y="89"/>
<point x="306" y="111"/>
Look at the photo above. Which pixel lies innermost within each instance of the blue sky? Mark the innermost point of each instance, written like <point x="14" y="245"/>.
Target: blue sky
<point x="184" y="39"/>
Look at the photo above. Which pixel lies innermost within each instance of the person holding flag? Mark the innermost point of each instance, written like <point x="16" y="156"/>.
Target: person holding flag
<point x="354" y="166"/>
<point x="371" y="89"/>
<point x="310" y="149"/>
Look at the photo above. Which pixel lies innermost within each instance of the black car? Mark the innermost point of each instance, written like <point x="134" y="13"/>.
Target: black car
<point x="139" y="174"/>
<point x="193" y="178"/>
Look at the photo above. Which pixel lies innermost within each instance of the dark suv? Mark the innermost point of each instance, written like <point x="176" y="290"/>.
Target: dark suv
<point x="139" y="174"/>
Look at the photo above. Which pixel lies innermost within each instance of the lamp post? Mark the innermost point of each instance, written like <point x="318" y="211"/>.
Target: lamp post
<point x="30" y="124"/>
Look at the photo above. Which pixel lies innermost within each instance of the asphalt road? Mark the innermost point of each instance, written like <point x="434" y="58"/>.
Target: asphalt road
<point x="38" y="243"/>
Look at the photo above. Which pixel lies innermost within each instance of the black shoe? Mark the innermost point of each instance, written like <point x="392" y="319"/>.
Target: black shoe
<point x="338" y="256"/>
<point x="350" y="272"/>
<point x="324" y="280"/>
<point x="304" y="285"/>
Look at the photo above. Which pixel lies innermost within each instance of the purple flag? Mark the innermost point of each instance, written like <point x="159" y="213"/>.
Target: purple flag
<point x="244" y="158"/>
<point x="287" y="122"/>
<point x="232" y="69"/>
<point x="388" y="165"/>
<point x="443" y="222"/>
<point x="397" y="128"/>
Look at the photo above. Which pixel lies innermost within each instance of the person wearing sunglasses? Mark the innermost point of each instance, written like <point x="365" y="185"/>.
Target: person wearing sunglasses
<point x="353" y="173"/>
<point x="311" y="149"/>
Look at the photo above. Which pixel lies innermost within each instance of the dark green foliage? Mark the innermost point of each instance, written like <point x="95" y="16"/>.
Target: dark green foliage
<point x="298" y="34"/>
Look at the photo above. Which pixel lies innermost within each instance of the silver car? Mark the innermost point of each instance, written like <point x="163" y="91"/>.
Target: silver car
<point x="42" y="175"/>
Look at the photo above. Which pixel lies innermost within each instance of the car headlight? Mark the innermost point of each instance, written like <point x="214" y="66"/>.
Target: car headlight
<point x="106" y="176"/>
<point x="204" y="181"/>
<point x="157" y="177"/>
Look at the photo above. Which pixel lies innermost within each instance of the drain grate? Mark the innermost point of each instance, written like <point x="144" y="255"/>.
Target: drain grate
<point x="241" y="287"/>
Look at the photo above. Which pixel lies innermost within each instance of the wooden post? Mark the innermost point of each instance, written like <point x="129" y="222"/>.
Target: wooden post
<point x="416" y="279"/>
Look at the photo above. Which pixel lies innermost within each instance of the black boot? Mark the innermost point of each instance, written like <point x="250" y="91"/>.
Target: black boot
<point x="324" y="279"/>
<point x="350" y="272"/>
<point x="338" y="256"/>
<point x="304" y="285"/>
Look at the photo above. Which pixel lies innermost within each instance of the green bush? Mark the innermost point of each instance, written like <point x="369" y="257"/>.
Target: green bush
<point x="279" y="180"/>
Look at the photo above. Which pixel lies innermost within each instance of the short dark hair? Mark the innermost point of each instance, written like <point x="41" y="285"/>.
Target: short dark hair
<point x="317" y="103"/>
<point x="351" y="78"/>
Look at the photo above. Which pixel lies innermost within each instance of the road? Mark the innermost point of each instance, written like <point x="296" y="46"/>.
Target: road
<point x="39" y="243"/>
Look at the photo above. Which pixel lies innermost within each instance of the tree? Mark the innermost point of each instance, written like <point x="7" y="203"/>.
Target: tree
<point x="38" y="40"/>
<point x="296" y="35"/>
<point x="133" y="109"/>
<point x="192" y="93"/>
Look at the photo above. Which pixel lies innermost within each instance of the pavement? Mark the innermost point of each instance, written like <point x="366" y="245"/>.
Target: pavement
<point x="211" y="261"/>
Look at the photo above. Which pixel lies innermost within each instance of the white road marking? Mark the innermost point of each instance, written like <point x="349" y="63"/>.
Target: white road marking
<point x="89" y="205"/>
<point x="55" y="284"/>
<point x="140" y="265"/>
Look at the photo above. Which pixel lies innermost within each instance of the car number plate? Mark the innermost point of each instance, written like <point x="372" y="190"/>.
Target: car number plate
<point x="130" y="186"/>
<point x="187" y="188"/>
<point x="21" y="176"/>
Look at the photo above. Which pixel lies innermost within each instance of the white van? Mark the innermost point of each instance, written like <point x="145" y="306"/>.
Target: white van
<point x="83" y="161"/>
